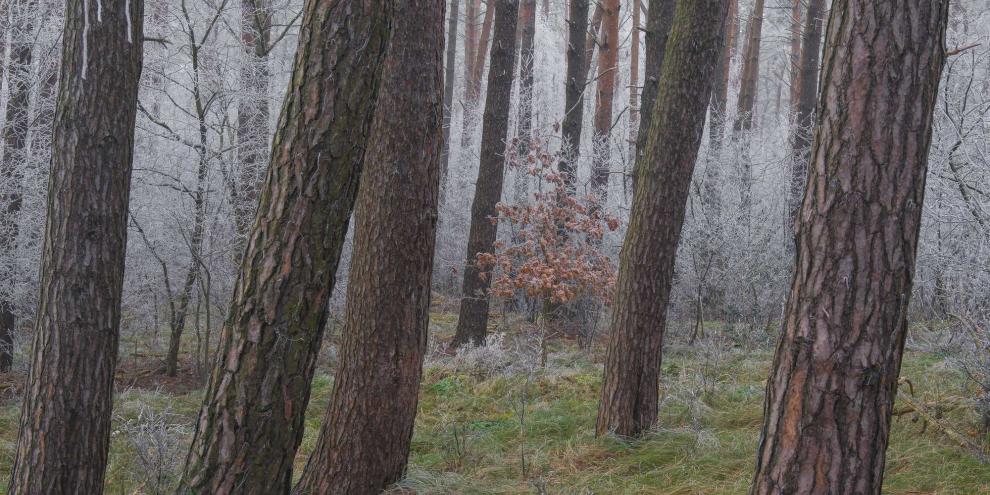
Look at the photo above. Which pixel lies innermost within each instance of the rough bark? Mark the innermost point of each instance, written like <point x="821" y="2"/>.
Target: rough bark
<point x="527" y="31"/>
<point x="15" y="129"/>
<point x="629" y="398"/>
<point x="804" y="119"/>
<point x="472" y="323"/>
<point x="570" y="130"/>
<point x="251" y="421"/>
<point x="65" y="418"/>
<point x="608" y="67"/>
<point x="367" y="430"/>
<point x="448" y="93"/>
<point x="834" y="377"/>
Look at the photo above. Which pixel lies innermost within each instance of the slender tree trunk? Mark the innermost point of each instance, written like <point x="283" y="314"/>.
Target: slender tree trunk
<point x="720" y="94"/>
<point x="659" y="19"/>
<point x="527" y="28"/>
<point x="367" y="430"/>
<point x="472" y="323"/>
<point x="834" y="378"/>
<point x="577" y="33"/>
<point x="12" y="157"/>
<point x="807" y="96"/>
<point x="251" y="421"/>
<point x="629" y="398"/>
<point x="473" y="10"/>
<point x="592" y="37"/>
<point x="473" y="83"/>
<point x="448" y="94"/>
<point x="749" y="84"/>
<point x="794" y="57"/>
<point x="608" y="66"/>
<point x="633" y="84"/>
<point x="252" y="112"/>
<point x="65" y="418"/>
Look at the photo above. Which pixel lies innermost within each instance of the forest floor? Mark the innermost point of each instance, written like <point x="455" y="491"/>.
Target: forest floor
<point x="496" y="420"/>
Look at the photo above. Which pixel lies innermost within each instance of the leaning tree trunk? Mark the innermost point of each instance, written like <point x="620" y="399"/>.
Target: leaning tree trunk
<point x="570" y="129"/>
<point x="251" y="421"/>
<point x="629" y="398"/>
<point x="805" y="109"/>
<point x="65" y="418"/>
<point x="608" y="66"/>
<point x="659" y="19"/>
<point x="834" y="378"/>
<point x="448" y="94"/>
<point x="527" y="28"/>
<point x="472" y="323"/>
<point x="14" y="153"/>
<point x="367" y="430"/>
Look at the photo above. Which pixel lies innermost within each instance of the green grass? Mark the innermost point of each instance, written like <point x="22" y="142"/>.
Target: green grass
<point x="469" y="437"/>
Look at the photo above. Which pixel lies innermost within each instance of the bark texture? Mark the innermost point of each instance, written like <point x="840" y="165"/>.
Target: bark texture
<point x="630" y="389"/>
<point x="472" y="322"/>
<point x="251" y="421"/>
<point x="634" y="82"/>
<point x="570" y="130"/>
<point x="367" y="430"/>
<point x="834" y="378"/>
<point x="65" y="418"/>
<point x="749" y="84"/>
<point x="807" y="95"/>
<point x="659" y="19"/>
<point x="608" y="67"/>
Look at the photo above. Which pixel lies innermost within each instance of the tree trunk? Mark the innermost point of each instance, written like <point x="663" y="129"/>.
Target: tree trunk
<point x="14" y="153"/>
<point x="251" y="421"/>
<point x="659" y="19"/>
<point x="252" y="112"/>
<point x="592" y="37"/>
<point x="807" y="95"/>
<point x="65" y="418"/>
<point x="473" y="83"/>
<point x="629" y="398"/>
<point x="473" y="10"/>
<point x="720" y="94"/>
<point x="472" y="323"/>
<point x="633" y="84"/>
<point x="367" y="430"/>
<point x="577" y="34"/>
<point x="749" y="84"/>
<point x="608" y="66"/>
<point x="448" y="95"/>
<point x="794" y="57"/>
<point x="527" y="28"/>
<point x="834" y="378"/>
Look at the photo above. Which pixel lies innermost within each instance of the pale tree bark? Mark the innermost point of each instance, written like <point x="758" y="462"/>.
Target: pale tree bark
<point x="472" y="322"/>
<point x="804" y="119"/>
<point x="65" y="417"/>
<point x="608" y="67"/>
<point x="364" y="442"/>
<point x="630" y="390"/>
<point x="251" y="421"/>
<point x="834" y="378"/>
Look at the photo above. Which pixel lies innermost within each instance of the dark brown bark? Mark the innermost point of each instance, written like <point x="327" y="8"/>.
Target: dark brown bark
<point x="448" y="94"/>
<point x="252" y="112"/>
<point x="367" y="430"/>
<point x="629" y="398"/>
<point x="577" y="33"/>
<point x="659" y="19"/>
<point x="251" y="421"/>
<point x="14" y="153"/>
<point x="527" y="31"/>
<point x="749" y="84"/>
<point x="834" y="378"/>
<point x="804" y="119"/>
<point x="720" y="93"/>
<point x="65" y="418"/>
<point x="472" y="323"/>
<point x="608" y="67"/>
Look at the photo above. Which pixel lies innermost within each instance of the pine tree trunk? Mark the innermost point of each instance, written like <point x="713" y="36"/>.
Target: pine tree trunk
<point x="473" y="83"/>
<point x="448" y="94"/>
<point x="527" y="28"/>
<point x="12" y="157"/>
<point x="472" y="323"/>
<point x="367" y="430"/>
<point x="570" y="131"/>
<point x="804" y="119"/>
<point x="473" y="10"/>
<point x="65" y="418"/>
<point x="720" y="94"/>
<point x="749" y="85"/>
<point x="629" y="398"/>
<point x="251" y="421"/>
<point x="633" y="84"/>
<point x="608" y="66"/>
<point x="834" y="378"/>
<point x="252" y="111"/>
<point x="659" y="19"/>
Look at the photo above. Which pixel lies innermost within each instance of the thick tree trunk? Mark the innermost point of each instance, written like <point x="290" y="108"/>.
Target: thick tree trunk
<point x="12" y="157"/>
<point x="472" y="323"/>
<point x="251" y="421"/>
<point x="629" y="398"/>
<point x="608" y="67"/>
<point x="527" y="28"/>
<point x="65" y="418"/>
<point x="252" y="112"/>
<point x="834" y="378"/>
<point x="367" y="430"/>
<point x="448" y="94"/>
<point x="804" y="118"/>
<point x="570" y="130"/>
